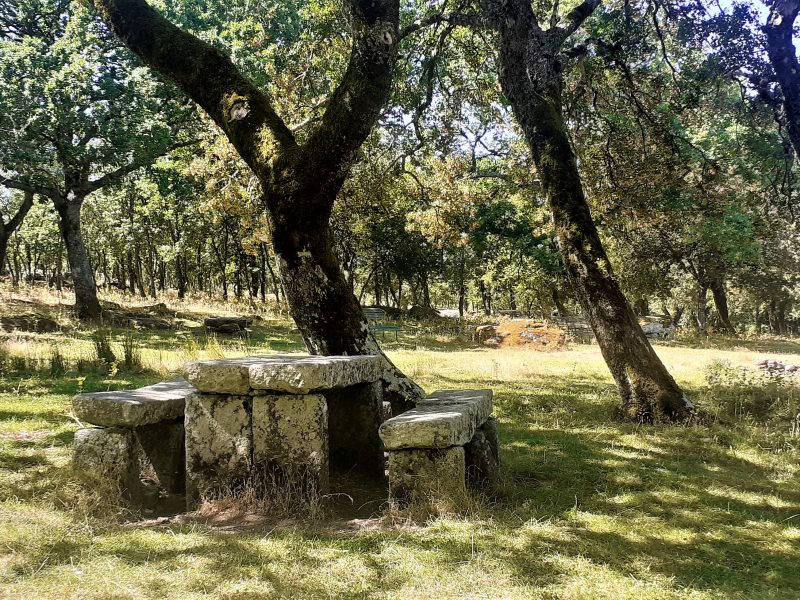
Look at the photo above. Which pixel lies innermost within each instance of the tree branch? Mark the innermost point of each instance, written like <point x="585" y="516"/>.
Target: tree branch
<point x="119" y="174"/>
<point x="576" y="17"/>
<point x="476" y="21"/>
<point x="16" y="220"/>
<point x="780" y="47"/>
<point x="357" y="102"/>
<point x="15" y="184"/>
<point x="208" y="76"/>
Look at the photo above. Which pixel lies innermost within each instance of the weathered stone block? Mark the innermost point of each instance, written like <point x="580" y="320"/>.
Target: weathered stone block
<point x="286" y="373"/>
<point x="444" y="419"/>
<point x="425" y="475"/>
<point x="162" y="449"/>
<point x="133" y="408"/>
<point x="109" y="453"/>
<point x="219" y="442"/>
<point x="355" y="414"/>
<point x="291" y="432"/>
<point x="482" y="455"/>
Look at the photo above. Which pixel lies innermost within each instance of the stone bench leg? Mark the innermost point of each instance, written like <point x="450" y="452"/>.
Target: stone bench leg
<point x="108" y="452"/>
<point x="290" y="432"/>
<point x="425" y="474"/>
<point x="128" y="457"/>
<point x="355" y="414"/>
<point x="482" y="456"/>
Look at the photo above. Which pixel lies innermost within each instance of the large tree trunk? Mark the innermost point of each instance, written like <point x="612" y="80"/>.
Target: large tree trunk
<point x="324" y="308"/>
<point x="6" y="229"/>
<point x="87" y="306"/>
<point x="782" y="55"/>
<point x="300" y="181"/>
<point x="531" y="77"/>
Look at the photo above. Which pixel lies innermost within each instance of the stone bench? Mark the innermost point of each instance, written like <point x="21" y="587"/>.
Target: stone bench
<point x="291" y="414"/>
<point x="448" y="442"/>
<point x="137" y="441"/>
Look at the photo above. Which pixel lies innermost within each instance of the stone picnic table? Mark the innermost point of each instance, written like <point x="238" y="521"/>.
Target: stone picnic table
<point x="294" y="416"/>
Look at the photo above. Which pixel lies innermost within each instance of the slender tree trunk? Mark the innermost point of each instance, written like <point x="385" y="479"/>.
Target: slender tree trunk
<point x="87" y="306"/>
<point x="562" y="311"/>
<point x="3" y="248"/>
<point x="720" y="296"/>
<point x="531" y="77"/>
<point x="702" y="308"/>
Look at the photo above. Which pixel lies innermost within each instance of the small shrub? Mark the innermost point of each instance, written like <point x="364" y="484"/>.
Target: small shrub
<point x="102" y="347"/>
<point x="58" y="364"/>
<point x="746" y="394"/>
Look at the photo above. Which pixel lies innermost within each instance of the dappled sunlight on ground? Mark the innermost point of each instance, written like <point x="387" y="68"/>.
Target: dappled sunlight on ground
<point x="592" y="507"/>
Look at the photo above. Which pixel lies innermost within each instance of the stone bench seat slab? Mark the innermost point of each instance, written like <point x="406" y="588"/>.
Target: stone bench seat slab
<point x="446" y="418"/>
<point x="287" y="373"/>
<point x="133" y="408"/>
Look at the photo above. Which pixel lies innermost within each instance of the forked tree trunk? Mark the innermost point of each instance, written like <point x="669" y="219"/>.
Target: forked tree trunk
<point x="300" y="181"/>
<point x="531" y="77"/>
<point x="87" y="306"/>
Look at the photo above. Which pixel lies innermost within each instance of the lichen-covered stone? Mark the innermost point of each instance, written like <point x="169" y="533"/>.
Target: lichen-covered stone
<point x="284" y="373"/>
<point x="387" y="411"/>
<point x="219" y="442"/>
<point x="442" y="420"/>
<point x="291" y="432"/>
<point x="482" y="456"/>
<point x="133" y="408"/>
<point x="354" y="415"/>
<point x="107" y="452"/>
<point x="427" y="475"/>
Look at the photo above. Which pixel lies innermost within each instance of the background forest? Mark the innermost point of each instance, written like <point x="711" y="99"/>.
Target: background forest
<point x="679" y="133"/>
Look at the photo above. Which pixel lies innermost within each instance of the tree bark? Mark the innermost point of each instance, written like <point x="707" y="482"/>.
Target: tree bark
<point x="531" y="78"/>
<point x="779" y="31"/>
<point x="87" y="306"/>
<point x="720" y="296"/>
<point x="6" y="229"/>
<point x="300" y="182"/>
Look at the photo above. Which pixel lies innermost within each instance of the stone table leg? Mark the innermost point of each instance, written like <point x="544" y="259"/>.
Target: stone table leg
<point x="219" y="443"/>
<point x="290" y="432"/>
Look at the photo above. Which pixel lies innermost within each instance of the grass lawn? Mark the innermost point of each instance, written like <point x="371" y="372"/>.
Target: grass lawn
<point x="593" y="507"/>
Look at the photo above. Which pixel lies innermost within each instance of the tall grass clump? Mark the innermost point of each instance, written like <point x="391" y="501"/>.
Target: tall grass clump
<point x="102" y="347"/>
<point x="58" y="363"/>
<point x="132" y="356"/>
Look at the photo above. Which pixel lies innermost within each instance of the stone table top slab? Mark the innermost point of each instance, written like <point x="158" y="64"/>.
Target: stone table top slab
<point x="445" y="418"/>
<point x="286" y="373"/>
<point x="132" y="408"/>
